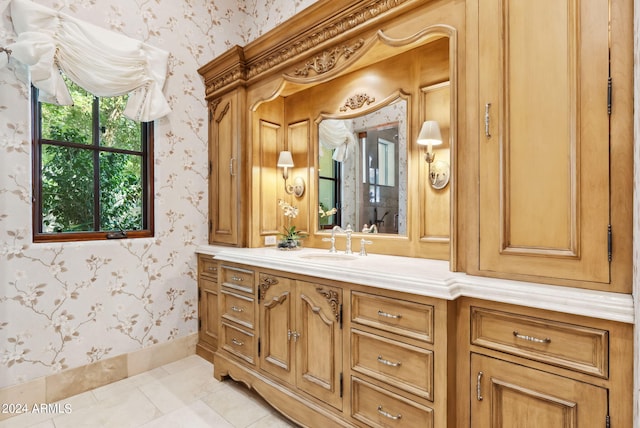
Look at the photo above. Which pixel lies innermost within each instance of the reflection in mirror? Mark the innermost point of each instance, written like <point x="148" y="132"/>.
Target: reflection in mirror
<point x="363" y="171"/>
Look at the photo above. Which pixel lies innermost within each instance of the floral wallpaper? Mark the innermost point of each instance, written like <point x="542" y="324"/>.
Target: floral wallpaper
<point x="64" y="305"/>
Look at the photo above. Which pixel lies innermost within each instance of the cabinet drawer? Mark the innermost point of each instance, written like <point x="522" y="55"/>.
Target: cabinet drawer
<point x="208" y="266"/>
<point x="237" y="279"/>
<point x="237" y="308"/>
<point x="377" y="407"/>
<point x="399" y="364"/>
<point x="397" y="316"/>
<point x="572" y="346"/>
<point x="238" y="342"/>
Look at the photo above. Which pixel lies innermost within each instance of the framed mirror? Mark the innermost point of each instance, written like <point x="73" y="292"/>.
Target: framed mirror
<point x="362" y="174"/>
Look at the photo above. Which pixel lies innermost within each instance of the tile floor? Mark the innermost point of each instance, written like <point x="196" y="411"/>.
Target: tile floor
<point x="182" y="394"/>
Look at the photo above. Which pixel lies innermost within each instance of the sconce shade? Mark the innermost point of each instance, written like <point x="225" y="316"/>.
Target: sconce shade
<point x="285" y="159"/>
<point x="430" y="134"/>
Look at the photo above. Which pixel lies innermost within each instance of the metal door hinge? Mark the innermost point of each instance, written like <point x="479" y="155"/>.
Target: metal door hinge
<point x="341" y="317"/>
<point x="341" y="384"/>
<point x="199" y="294"/>
<point x="199" y="324"/>
<point x="259" y="349"/>
<point x="609" y="243"/>
<point x="210" y="226"/>
<point x="607" y="421"/>
<point x="609" y="95"/>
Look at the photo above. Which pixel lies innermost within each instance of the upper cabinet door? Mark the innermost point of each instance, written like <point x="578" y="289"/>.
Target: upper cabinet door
<point x="226" y="168"/>
<point x="544" y="143"/>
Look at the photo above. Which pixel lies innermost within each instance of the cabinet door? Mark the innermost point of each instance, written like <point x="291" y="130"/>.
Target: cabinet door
<point x="276" y="327"/>
<point x="225" y="157"/>
<point x="504" y="394"/>
<point x="208" y="313"/>
<point x="319" y="341"/>
<point x="544" y="145"/>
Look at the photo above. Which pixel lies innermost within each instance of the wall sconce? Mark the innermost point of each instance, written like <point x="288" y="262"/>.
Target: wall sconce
<point x="285" y="160"/>
<point x="438" y="170"/>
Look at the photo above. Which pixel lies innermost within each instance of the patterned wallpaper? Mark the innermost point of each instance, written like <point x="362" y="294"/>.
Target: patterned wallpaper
<point x="67" y="305"/>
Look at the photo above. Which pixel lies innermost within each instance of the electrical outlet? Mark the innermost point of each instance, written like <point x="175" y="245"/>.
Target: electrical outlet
<point x="270" y="240"/>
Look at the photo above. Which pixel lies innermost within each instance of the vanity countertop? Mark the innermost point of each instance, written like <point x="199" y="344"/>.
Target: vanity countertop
<point x="429" y="278"/>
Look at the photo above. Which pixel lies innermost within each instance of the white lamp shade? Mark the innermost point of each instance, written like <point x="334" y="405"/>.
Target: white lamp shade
<point x="285" y="159"/>
<point x="430" y="134"/>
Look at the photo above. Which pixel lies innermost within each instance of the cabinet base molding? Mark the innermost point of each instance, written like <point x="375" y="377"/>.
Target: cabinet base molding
<point x="303" y="412"/>
<point x="205" y="351"/>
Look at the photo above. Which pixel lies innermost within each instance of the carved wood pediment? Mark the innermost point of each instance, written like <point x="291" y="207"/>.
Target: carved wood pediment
<point x="302" y="47"/>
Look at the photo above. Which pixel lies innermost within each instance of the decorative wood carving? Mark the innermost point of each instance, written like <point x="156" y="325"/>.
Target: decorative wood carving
<point x="357" y="101"/>
<point x="213" y="106"/>
<point x="223" y="112"/>
<point x="328" y="59"/>
<point x="265" y="283"/>
<point x="334" y="300"/>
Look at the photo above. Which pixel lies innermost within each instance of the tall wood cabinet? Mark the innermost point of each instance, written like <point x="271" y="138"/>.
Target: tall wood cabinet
<point x="549" y="113"/>
<point x="226" y="168"/>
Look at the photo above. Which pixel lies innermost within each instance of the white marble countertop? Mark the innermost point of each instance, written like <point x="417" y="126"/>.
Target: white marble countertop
<point x="430" y="278"/>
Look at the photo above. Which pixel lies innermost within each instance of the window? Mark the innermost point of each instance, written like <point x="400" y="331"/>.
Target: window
<point x="92" y="170"/>
<point x="329" y="191"/>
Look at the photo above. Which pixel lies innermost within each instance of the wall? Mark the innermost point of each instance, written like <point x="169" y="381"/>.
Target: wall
<point x="67" y="305"/>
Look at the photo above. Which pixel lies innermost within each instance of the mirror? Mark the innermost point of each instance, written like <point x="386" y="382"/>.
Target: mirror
<point x="363" y="170"/>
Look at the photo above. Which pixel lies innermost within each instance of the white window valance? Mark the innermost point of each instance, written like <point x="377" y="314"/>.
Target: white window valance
<point x="335" y="135"/>
<point x="102" y="62"/>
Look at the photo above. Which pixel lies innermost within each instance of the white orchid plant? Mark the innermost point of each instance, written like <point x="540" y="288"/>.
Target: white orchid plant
<point x="291" y="236"/>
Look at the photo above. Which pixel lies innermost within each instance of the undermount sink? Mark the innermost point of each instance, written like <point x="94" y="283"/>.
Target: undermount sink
<point x="328" y="256"/>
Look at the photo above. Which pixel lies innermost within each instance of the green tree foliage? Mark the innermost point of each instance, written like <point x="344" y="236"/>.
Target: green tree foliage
<point x="109" y="148"/>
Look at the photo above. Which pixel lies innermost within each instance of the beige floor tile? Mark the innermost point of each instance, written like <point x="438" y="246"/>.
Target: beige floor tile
<point x="128" y="410"/>
<point x="181" y="388"/>
<point x="273" y="420"/>
<point x="117" y="388"/>
<point x="236" y="406"/>
<point x="188" y="363"/>
<point x="179" y="394"/>
<point x="196" y="415"/>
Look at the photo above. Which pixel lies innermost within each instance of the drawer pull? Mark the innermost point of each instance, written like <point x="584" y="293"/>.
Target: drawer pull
<point x="237" y="309"/>
<point x="237" y="342"/>
<point x="387" y="362"/>
<point x="388" y="415"/>
<point x="237" y="278"/>
<point x="531" y="338"/>
<point x="387" y="315"/>
<point x="213" y="269"/>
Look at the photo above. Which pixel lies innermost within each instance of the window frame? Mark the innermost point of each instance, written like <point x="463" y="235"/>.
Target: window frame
<point x="147" y="162"/>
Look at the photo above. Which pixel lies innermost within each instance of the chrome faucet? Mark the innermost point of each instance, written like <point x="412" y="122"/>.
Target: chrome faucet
<point x="369" y="229"/>
<point x="337" y="229"/>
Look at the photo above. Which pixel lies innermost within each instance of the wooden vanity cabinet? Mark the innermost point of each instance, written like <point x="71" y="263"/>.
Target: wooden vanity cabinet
<point x="327" y="353"/>
<point x="552" y="138"/>
<point x="301" y="335"/>
<point x="207" y="306"/>
<point x="393" y="361"/>
<point x="530" y="368"/>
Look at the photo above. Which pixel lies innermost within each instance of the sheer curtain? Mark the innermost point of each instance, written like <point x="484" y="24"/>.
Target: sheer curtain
<point x="102" y="62"/>
<point x="335" y="135"/>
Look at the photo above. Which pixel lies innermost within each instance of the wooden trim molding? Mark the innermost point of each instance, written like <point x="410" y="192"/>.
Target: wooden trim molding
<point x="240" y="65"/>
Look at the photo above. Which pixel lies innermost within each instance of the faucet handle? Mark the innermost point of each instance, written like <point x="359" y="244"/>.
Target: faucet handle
<point x="363" y="250"/>
<point x="333" y="243"/>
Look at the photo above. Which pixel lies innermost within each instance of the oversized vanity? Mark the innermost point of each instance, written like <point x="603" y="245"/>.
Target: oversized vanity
<point x="461" y="175"/>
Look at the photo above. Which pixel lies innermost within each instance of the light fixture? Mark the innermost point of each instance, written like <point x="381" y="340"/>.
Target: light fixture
<point x="285" y="161"/>
<point x="430" y="136"/>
